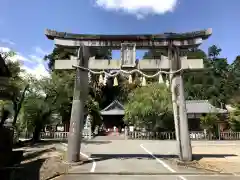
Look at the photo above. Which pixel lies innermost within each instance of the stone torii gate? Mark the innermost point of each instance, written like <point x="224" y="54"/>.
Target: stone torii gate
<point x="175" y="45"/>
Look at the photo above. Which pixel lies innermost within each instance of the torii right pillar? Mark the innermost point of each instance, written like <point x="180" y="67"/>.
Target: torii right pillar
<point x="175" y="51"/>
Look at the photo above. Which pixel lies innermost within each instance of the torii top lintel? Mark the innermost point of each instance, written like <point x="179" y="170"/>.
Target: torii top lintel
<point x="182" y="39"/>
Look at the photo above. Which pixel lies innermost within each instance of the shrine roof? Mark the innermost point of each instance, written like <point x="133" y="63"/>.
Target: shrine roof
<point x="202" y="106"/>
<point x="204" y="34"/>
<point x="192" y="107"/>
<point x="115" y="108"/>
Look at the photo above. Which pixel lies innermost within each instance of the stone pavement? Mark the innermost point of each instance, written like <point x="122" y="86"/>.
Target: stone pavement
<point x="151" y="157"/>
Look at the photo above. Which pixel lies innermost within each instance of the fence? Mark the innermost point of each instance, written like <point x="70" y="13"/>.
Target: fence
<point x="194" y="135"/>
<point x="61" y="135"/>
<point x="230" y="135"/>
<point x="54" y="135"/>
<point x="151" y="135"/>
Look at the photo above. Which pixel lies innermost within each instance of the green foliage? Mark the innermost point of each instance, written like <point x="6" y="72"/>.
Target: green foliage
<point x="94" y="111"/>
<point x="7" y="55"/>
<point x="17" y="86"/>
<point x="154" y="54"/>
<point x="35" y="108"/>
<point x="217" y="84"/>
<point x="57" y="53"/>
<point x="45" y="99"/>
<point x="220" y="84"/>
<point x="209" y="122"/>
<point x="196" y="54"/>
<point x="234" y="120"/>
<point x="214" y="51"/>
<point x="149" y="106"/>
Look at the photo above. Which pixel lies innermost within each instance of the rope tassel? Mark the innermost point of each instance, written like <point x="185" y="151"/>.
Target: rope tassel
<point x="160" y="79"/>
<point x="100" y="80"/>
<point x="130" y="79"/>
<point x="144" y="83"/>
<point x="115" y="81"/>
<point x="105" y="80"/>
<point x="89" y="77"/>
<point x="167" y="81"/>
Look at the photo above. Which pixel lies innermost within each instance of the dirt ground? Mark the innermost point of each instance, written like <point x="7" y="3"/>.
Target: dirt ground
<point x="226" y="157"/>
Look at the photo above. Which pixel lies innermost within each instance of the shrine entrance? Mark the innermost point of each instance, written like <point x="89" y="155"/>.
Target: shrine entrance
<point x="176" y="46"/>
<point x="113" y="117"/>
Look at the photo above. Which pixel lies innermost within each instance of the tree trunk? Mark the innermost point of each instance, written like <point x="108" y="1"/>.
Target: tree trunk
<point x="18" y="105"/>
<point x="36" y="134"/>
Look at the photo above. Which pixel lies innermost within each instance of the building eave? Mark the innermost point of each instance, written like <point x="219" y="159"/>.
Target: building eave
<point x="204" y="34"/>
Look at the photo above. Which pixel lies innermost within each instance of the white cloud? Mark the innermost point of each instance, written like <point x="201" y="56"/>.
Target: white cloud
<point x="5" y="49"/>
<point x="40" y="51"/>
<point x="38" y="70"/>
<point x="17" y="57"/>
<point x="35" y="58"/>
<point x="7" y="41"/>
<point x="140" y="8"/>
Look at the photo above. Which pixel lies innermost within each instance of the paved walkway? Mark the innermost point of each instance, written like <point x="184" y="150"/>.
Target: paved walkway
<point x="109" y="158"/>
<point x="141" y="177"/>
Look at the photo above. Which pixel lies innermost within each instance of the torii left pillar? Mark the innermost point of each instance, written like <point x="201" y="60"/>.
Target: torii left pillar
<point x="180" y="114"/>
<point x="77" y="114"/>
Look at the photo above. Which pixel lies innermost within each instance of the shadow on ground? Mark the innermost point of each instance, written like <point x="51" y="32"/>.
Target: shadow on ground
<point x="96" y="142"/>
<point x="34" y="166"/>
<point x="30" y="170"/>
<point x="28" y="143"/>
<point x="103" y="157"/>
<point x="27" y="171"/>
<point x="37" y="153"/>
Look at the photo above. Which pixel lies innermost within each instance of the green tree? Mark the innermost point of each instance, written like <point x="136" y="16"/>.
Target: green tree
<point x="57" y="53"/>
<point x="16" y="84"/>
<point x="154" y="54"/>
<point x="46" y="97"/>
<point x="214" y="51"/>
<point x="234" y="79"/>
<point x="37" y="114"/>
<point x="196" y="53"/>
<point x="216" y="84"/>
<point x="150" y="107"/>
<point x="94" y="110"/>
<point x="234" y="120"/>
<point x="209" y="122"/>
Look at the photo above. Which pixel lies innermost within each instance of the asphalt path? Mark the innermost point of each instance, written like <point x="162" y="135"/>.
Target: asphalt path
<point x="139" y="159"/>
<point x="146" y="177"/>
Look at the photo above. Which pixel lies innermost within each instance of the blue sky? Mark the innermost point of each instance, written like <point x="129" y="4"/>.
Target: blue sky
<point x="23" y="22"/>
